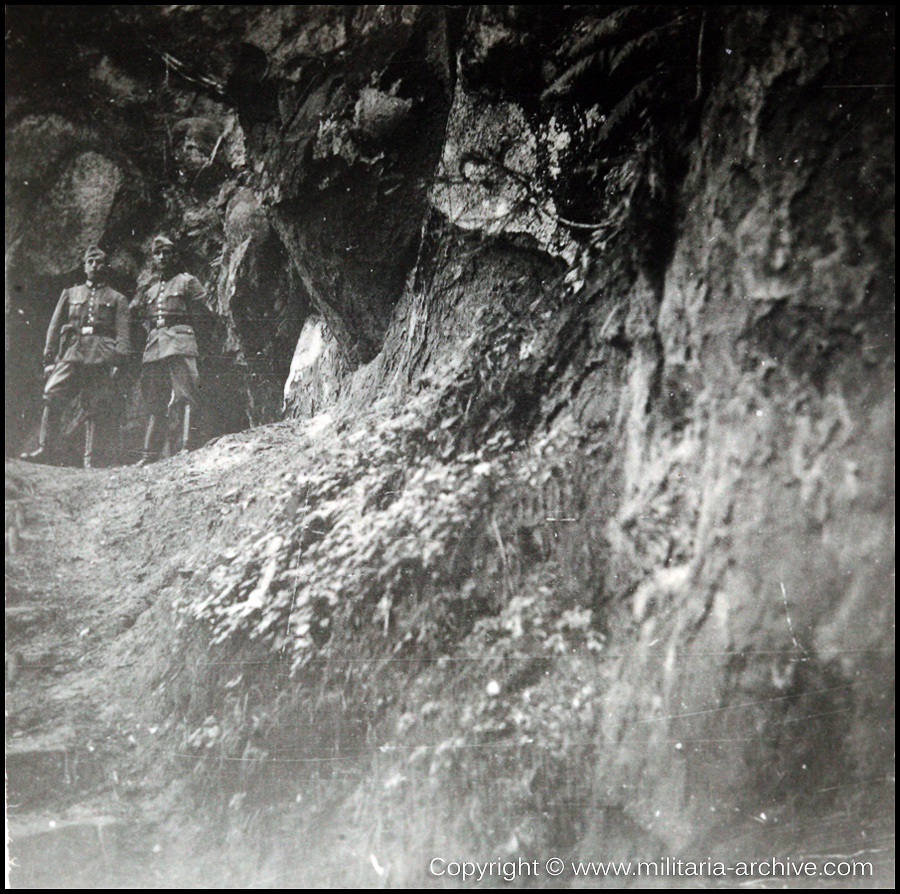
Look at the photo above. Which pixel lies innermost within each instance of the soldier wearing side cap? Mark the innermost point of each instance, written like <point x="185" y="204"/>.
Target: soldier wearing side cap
<point x="87" y="339"/>
<point x="168" y="305"/>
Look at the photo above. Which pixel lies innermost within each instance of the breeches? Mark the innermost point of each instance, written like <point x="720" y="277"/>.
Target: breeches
<point x="170" y="380"/>
<point x="68" y="379"/>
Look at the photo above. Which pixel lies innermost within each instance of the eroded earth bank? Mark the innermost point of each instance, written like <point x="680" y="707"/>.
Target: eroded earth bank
<point x="571" y="534"/>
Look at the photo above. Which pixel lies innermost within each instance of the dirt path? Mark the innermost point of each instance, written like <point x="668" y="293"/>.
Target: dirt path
<point x="91" y="558"/>
<point x="70" y="740"/>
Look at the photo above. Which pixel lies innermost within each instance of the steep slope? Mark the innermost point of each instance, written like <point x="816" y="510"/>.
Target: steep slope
<point x="582" y="546"/>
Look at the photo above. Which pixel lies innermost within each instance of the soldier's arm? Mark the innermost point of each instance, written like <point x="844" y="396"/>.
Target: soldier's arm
<point x="137" y="302"/>
<point x="194" y="288"/>
<point x="123" y="328"/>
<point x="198" y="313"/>
<point x="194" y="292"/>
<point x="51" y="346"/>
<point x="137" y="308"/>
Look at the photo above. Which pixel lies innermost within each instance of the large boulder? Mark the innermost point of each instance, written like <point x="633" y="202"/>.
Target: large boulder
<point x="73" y="215"/>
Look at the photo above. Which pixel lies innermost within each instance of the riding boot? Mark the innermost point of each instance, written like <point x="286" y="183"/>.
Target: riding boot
<point x="147" y="454"/>
<point x="88" y="442"/>
<point x="185" y="429"/>
<point x="45" y="440"/>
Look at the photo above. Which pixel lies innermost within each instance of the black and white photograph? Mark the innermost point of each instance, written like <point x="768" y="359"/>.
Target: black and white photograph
<point x="450" y="446"/>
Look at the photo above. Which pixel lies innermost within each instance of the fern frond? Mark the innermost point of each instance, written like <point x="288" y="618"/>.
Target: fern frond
<point x="626" y="107"/>
<point x="616" y="39"/>
<point x="561" y="85"/>
<point x="644" y="42"/>
<point x="604" y="29"/>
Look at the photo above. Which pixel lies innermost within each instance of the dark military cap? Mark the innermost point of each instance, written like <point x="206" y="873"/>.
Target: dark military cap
<point x="160" y="241"/>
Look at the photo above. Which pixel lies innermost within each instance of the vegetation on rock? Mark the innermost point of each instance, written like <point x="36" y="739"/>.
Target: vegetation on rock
<point x="580" y="538"/>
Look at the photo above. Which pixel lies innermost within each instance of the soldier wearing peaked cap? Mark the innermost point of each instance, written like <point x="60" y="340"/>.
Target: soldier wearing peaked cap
<point x="87" y="338"/>
<point x="168" y="305"/>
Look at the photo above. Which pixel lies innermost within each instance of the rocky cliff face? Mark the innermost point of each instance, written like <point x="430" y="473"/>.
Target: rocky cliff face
<point x="111" y="139"/>
<point x="642" y="257"/>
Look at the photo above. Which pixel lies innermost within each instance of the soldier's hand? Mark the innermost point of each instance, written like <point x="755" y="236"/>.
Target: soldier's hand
<point x="48" y="369"/>
<point x="113" y="371"/>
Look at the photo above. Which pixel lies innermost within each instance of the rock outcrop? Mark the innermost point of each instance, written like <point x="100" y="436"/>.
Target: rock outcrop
<point x="619" y="282"/>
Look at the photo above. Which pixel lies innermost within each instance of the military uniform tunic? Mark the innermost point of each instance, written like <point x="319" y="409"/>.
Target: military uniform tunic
<point x="168" y="308"/>
<point x="88" y="333"/>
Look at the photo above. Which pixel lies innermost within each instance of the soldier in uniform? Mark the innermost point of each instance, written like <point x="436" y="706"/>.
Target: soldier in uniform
<point x="88" y="337"/>
<point x="167" y="304"/>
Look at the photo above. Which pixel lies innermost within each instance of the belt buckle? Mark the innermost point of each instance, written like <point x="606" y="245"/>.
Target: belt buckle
<point x="87" y="330"/>
<point x="160" y="322"/>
